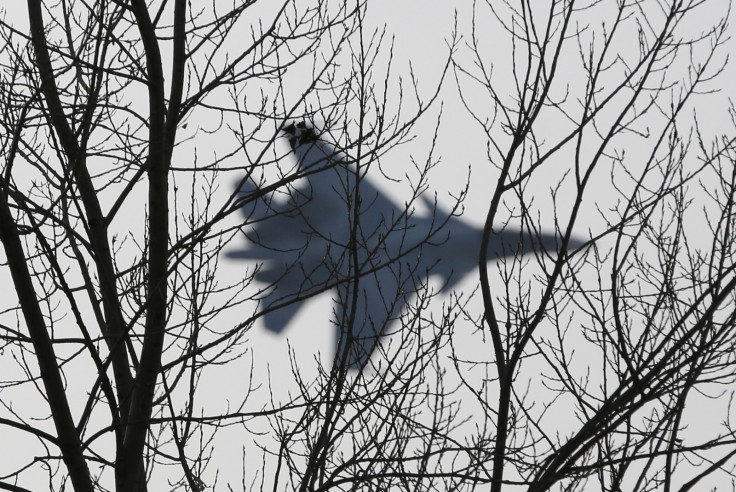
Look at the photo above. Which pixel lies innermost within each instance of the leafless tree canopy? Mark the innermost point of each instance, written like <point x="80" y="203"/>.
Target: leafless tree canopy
<point x="176" y="176"/>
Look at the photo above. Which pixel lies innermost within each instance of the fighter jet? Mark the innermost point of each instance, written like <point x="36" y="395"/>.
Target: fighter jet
<point x="307" y="241"/>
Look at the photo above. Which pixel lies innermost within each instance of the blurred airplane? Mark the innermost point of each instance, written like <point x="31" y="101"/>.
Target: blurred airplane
<point x="308" y="243"/>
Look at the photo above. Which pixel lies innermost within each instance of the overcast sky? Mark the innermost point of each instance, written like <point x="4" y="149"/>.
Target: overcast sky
<point x="422" y="30"/>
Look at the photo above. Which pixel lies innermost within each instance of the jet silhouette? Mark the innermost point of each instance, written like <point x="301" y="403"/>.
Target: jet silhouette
<point x="308" y="243"/>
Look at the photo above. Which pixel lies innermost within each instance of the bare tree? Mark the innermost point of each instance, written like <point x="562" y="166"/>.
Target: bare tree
<point x="113" y="230"/>
<point x="599" y="359"/>
<point x="146" y="146"/>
